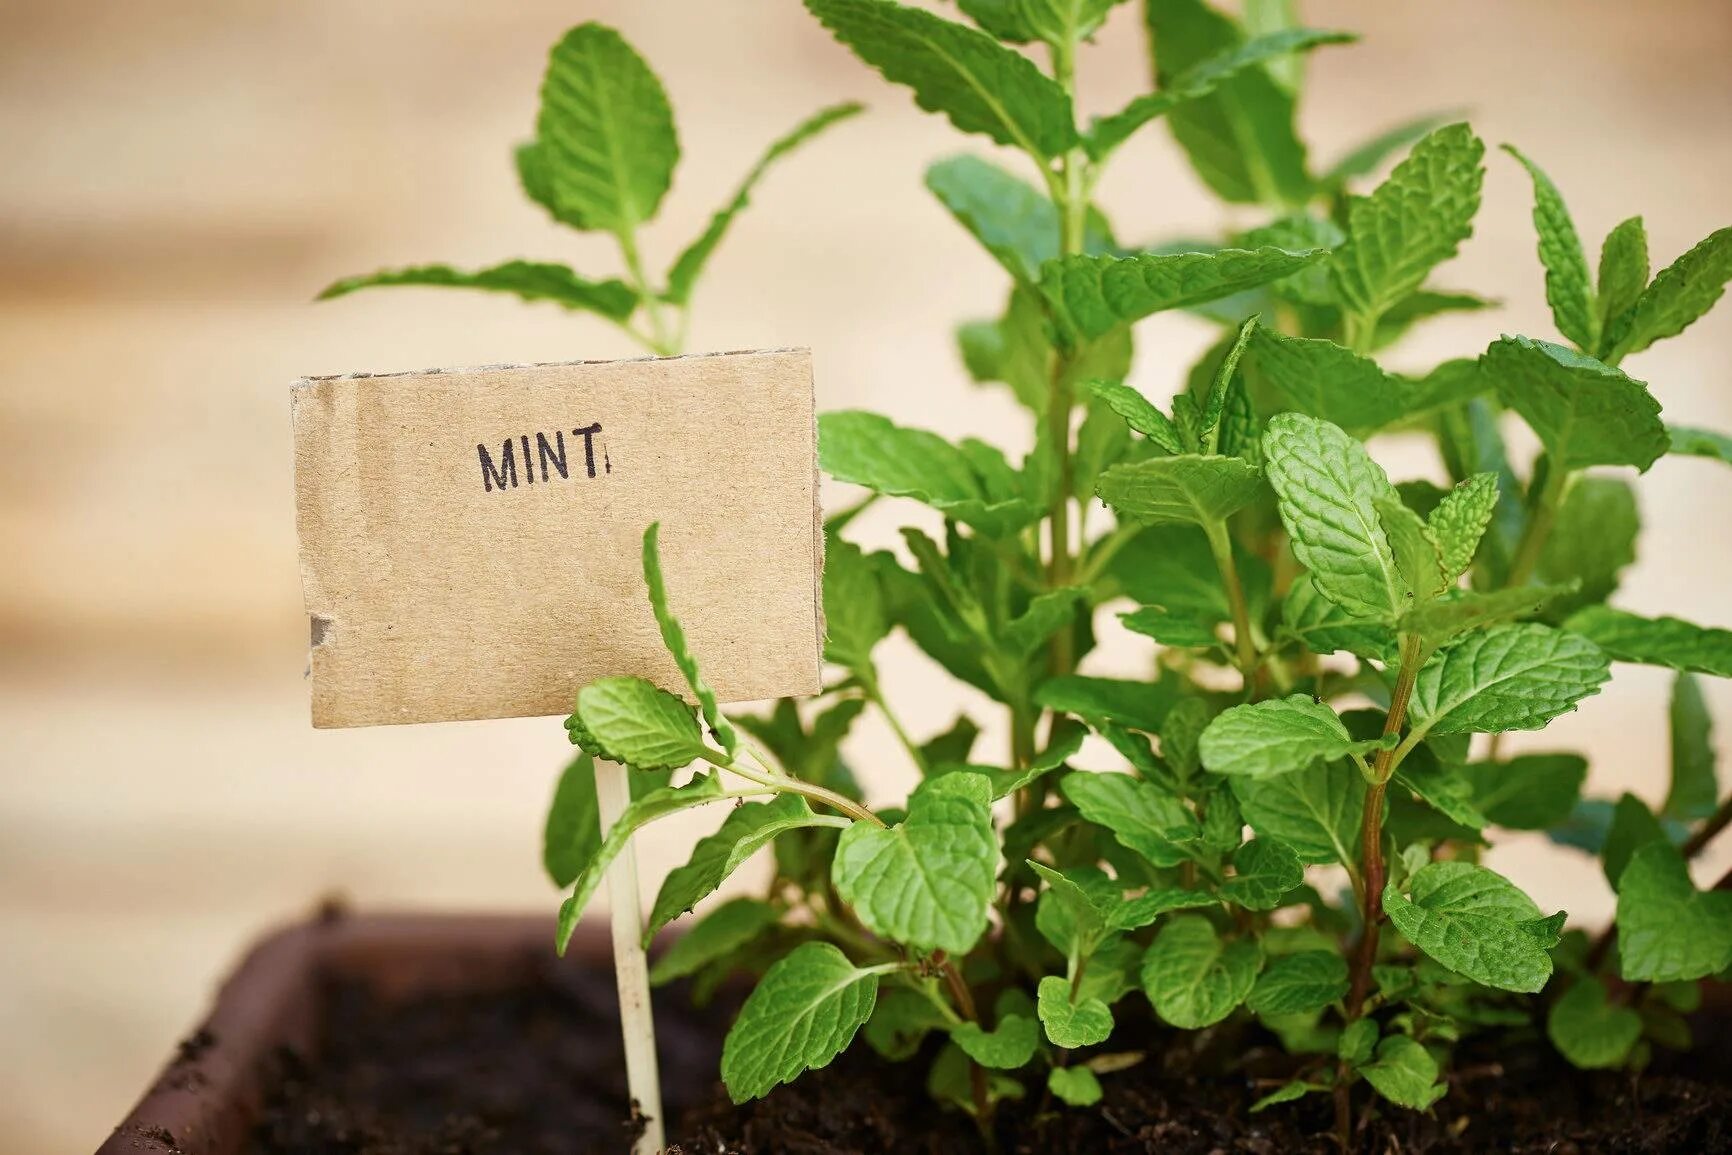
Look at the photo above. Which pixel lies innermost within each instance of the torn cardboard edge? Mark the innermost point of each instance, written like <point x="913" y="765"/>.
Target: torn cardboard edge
<point x="392" y="637"/>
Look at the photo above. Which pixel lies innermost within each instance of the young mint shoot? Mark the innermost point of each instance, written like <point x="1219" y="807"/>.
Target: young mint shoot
<point x="1286" y="819"/>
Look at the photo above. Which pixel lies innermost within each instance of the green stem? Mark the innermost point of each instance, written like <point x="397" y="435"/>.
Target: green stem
<point x="1070" y="193"/>
<point x="787" y="784"/>
<point x="1359" y="330"/>
<point x="1373" y="869"/>
<point x="1541" y="518"/>
<point x="875" y="695"/>
<point x="1244" y="645"/>
<point x="661" y="341"/>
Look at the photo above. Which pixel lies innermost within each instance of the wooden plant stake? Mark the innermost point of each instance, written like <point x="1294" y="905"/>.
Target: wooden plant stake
<point x="630" y="965"/>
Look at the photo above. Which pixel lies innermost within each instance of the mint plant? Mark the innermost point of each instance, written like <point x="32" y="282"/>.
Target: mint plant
<point x="1283" y="822"/>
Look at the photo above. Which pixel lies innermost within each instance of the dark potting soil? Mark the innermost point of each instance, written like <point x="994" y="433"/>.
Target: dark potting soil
<point x="538" y="1069"/>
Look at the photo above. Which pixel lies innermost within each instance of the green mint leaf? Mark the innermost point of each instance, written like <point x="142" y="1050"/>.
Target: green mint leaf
<point x="1265" y="872"/>
<point x="1584" y="412"/>
<point x="640" y="724"/>
<point x="950" y="1082"/>
<point x="1002" y="18"/>
<point x="1097" y="294"/>
<point x="674" y="638"/>
<point x="1668" y="642"/>
<point x="1102" y="439"/>
<point x="750" y="827"/>
<point x="855" y="616"/>
<point x="1460" y="520"/>
<point x="1405" y="1073"/>
<point x="1085" y="920"/>
<point x="1277" y="736"/>
<point x="1240" y="138"/>
<point x="1681" y="293"/>
<point x="1286" y="1093"/>
<point x="1188" y="488"/>
<point x="1669" y="931"/>
<point x="653" y="805"/>
<point x="1072" y="1024"/>
<point x="1192" y="978"/>
<point x="1461" y="610"/>
<point x="1632" y="827"/>
<point x="572" y="833"/>
<point x="1323" y="380"/>
<point x="1011" y="219"/>
<point x="1592" y="541"/>
<point x="1141" y="816"/>
<point x="526" y="280"/>
<point x="713" y="937"/>
<point x="1418" y="556"/>
<point x="1692" y="442"/>
<point x="1475" y="922"/>
<point x="1074" y="1086"/>
<point x="1411" y="223"/>
<point x="1204" y="79"/>
<point x="1216" y="413"/>
<point x="1007" y="1046"/>
<point x="869" y="450"/>
<point x="1014" y="349"/>
<point x="954" y="744"/>
<point x="1569" y="285"/>
<point x="689" y="266"/>
<point x="1139" y="705"/>
<point x="980" y="85"/>
<point x="1067" y="741"/>
<point x="1327" y="487"/>
<point x="1181" y="733"/>
<point x="1529" y="791"/>
<point x="1589" y="1031"/>
<point x="1046" y="614"/>
<point x="1694" y="790"/>
<point x="1298" y="984"/>
<point x="1443" y="789"/>
<point x="1623" y="276"/>
<point x="1317" y="812"/>
<point x="1323" y="627"/>
<point x="1061" y="23"/>
<point x="1358" y="1042"/>
<point x="900" y="1023"/>
<point x="1112" y="970"/>
<point x="1510" y="677"/>
<point x="802" y="1014"/>
<point x="1367" y="158"/>
<point x="1171" y="628"/>
<point x="607" y="146"/>
<point x="1138" y="412"/>
<point x="928" y="882"/>
<point x="1129" y="914"/>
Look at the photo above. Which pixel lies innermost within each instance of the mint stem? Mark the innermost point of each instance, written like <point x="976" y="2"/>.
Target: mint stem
<point x="1244" y="645"/>
<point x="1373" y="870"/>
<point x="1541" y="518"/>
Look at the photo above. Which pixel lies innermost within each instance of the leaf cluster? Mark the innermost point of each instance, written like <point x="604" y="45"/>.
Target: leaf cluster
<point x="1284" y="817"/>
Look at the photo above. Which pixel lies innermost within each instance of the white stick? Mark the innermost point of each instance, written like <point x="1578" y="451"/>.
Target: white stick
<point x="631" y="969"/>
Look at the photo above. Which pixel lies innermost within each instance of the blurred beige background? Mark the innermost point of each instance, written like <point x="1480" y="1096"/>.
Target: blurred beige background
<point x="180" y="177"/>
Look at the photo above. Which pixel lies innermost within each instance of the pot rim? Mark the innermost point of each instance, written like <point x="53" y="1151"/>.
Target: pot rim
<point x="210" y="1091"/>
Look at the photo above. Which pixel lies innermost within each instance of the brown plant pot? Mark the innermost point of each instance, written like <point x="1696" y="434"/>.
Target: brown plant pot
<point x="213" y="1092"/>
<point x="208" y="1096"/>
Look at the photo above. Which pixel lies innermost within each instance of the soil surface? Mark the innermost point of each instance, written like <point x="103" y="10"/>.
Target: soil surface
<point x="538" y="1070"/>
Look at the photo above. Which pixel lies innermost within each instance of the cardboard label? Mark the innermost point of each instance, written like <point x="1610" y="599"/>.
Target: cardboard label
<point x="471" y="539"/>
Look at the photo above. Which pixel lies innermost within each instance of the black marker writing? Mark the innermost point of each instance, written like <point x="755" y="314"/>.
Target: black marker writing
<point x="501" y="472"/>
